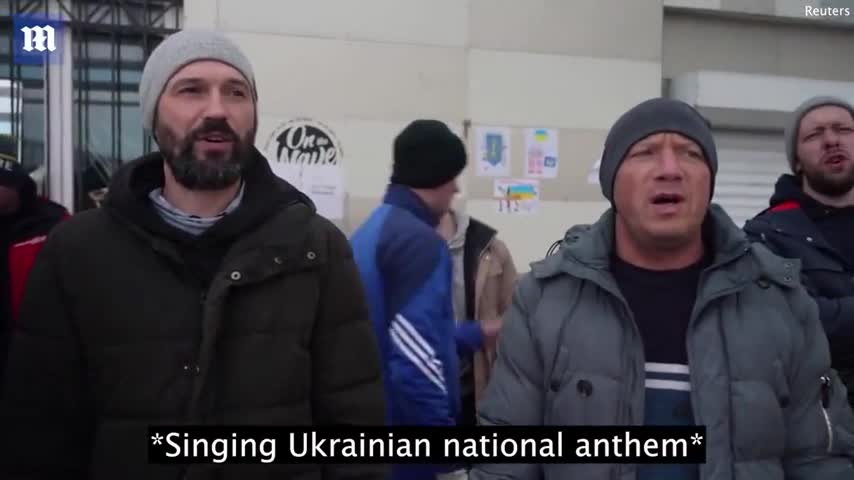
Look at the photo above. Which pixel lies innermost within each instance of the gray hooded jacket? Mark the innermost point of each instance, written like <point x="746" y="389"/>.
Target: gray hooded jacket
<point x="755" y="344"/>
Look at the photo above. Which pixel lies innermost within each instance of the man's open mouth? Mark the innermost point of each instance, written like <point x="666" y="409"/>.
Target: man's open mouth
<point x="835" y="158"/>
<point x="216" y="138"/>
<point x="667" y="199"/>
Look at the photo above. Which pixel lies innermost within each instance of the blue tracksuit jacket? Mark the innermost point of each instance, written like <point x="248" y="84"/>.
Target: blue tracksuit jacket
<point x="407" y="274"/>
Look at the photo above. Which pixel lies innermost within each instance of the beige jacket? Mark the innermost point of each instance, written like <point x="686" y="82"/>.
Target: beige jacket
<point x="494" y="279"/>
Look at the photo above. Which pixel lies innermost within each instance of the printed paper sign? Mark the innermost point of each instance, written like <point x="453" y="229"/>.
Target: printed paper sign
<point x="593" y="174"/>
<point x="541" y="156"/>
<point x="493" y="151"/>
<point x="517" y="196"/>
<point x="308" y="155"/>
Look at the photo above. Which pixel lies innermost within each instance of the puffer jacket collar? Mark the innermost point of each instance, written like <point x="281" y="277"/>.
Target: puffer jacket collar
<point x="586" y="253"/>
<point x="791" y="213"/>
<point x="403" y="197"/>
<point x="265" y="196"/>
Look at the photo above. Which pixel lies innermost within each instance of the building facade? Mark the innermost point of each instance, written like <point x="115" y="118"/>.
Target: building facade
<point x="355" y="72"/>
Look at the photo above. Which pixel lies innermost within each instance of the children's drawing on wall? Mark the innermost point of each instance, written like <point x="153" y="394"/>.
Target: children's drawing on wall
<point x="515" y="196"/>
<point x="493" y="151"/>
<point x="541" y="153"/>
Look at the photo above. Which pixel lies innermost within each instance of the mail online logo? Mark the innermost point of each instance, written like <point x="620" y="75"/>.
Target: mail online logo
<point x="37" y="40"/>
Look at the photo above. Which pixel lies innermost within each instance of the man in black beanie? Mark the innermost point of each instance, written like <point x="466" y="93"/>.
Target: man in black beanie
<point x="406" y="269"/>
<point x="662" y="313"/>
<point x="25" y="221"/>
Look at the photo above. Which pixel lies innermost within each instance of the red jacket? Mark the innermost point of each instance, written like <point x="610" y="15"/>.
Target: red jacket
<point x="23" y="238"/>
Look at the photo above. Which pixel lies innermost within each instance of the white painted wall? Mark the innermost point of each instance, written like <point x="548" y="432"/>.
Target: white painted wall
<point x="366" y="68"/>
<point x="530" y="236"/>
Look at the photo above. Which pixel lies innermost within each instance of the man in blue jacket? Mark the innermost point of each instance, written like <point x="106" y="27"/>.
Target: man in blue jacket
<point x="407" y="272"/>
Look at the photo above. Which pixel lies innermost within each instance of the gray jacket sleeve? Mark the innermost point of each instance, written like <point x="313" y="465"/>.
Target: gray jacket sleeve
<point x="820" y="423"/>
<point x="515" y="394"/>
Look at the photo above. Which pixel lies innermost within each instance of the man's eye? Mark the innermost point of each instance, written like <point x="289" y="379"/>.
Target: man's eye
<point x="189" y="90"/>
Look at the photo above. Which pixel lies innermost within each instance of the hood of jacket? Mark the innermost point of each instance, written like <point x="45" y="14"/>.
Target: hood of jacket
<point x="461" y="223"/>
<point x="788" y="189"/>
<point x="265" y="194"/>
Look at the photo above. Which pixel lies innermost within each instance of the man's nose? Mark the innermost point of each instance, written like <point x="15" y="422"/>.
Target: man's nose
<point x="830" y="137"/>
<point x="668" y="164"/>
<point x="215" y="107"/>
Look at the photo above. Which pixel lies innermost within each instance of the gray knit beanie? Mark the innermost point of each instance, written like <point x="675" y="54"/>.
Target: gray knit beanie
<point x="654" y="116"/>
<point x="794" y="124"/>
<point x="179" y="50"/>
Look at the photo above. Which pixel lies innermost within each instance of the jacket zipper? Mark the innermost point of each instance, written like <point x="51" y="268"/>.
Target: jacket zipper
<point x="824" y="403"/>
<point x="829" y="429"/>
<point x="624" y="406"/>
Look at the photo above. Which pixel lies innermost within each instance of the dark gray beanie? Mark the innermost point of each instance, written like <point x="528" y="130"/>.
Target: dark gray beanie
<point x="652" y="116"/>
<point x="794" y="124"/>
<point x="179" y="50"/>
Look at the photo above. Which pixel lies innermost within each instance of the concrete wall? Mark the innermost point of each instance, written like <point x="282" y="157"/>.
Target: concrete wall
<point x="367" y="68"/>
<point x="693" y="42"/>
<point x="791" y="10"/>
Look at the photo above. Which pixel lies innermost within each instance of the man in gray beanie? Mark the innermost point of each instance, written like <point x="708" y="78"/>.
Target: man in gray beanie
<point x="205" y="291"/>
<point x="811" y="217"/>
<point x="651" y="316"/>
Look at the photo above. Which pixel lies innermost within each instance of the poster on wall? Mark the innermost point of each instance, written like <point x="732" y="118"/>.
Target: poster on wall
<point x="541" y="153"/>
<point x="517" y="196"/>
<point x="593" y="174"/>
<point x="307" y="154"/>
<point x="493" y="151"/>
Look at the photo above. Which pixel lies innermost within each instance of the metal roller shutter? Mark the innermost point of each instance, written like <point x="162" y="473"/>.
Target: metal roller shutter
<point x="749" y="165"/>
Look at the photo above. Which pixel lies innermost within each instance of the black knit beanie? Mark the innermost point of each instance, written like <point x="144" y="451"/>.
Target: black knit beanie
<point x="654" y="116"/>
<point x="427" y="154"/>
<point x="12" y="173"/>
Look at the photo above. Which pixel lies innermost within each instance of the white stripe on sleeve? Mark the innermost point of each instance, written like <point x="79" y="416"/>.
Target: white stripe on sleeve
<point x="424" y="365"/>
<point x="413" y="333"/>
<point x="417" y="344"/>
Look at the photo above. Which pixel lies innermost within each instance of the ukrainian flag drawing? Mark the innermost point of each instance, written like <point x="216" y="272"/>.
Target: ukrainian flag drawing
<point x="521" y="192"/>
<point x="541" y="135"/>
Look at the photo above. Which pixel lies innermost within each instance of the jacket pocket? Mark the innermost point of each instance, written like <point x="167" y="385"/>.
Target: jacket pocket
<point x="835" y="415"/>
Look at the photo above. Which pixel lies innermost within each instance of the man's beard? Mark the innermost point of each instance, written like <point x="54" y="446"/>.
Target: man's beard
<point x="831" y="186"/>
<point x="217" y="170"/>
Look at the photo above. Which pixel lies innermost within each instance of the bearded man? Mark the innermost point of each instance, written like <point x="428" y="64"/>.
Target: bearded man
<point x="205" y="291"/>
<point x="811" y="218"/>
